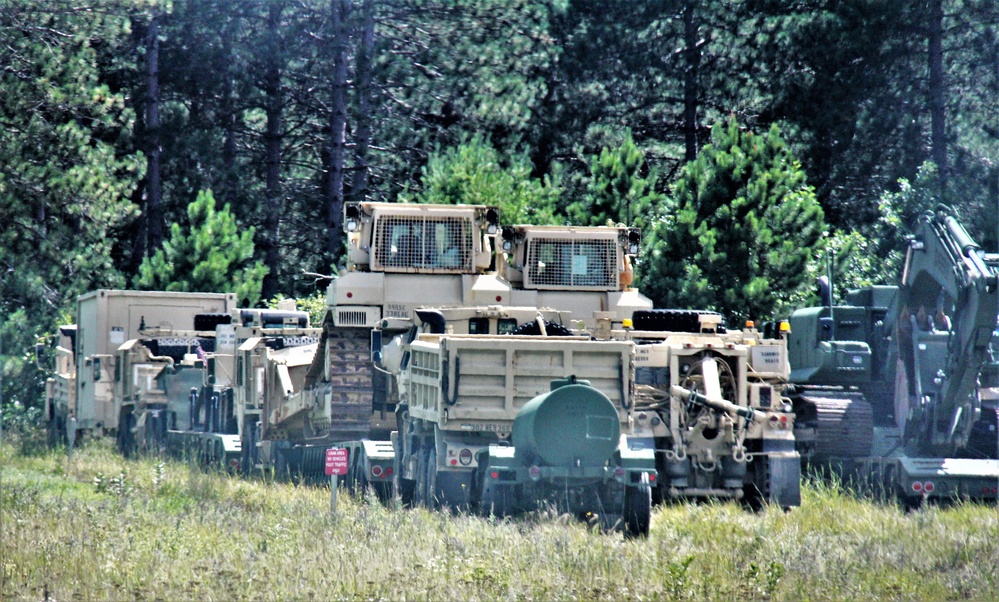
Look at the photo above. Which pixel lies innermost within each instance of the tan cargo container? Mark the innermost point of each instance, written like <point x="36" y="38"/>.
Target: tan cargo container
<point x="106" y="319"/>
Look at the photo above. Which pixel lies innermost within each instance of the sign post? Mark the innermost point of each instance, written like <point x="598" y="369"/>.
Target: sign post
<point x="336" y="466"/>
<point x="71" y="436"/>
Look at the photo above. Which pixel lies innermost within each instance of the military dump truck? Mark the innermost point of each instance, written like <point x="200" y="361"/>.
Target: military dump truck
<point x="83" y="385"/>
<point x="508" y="423"/>
<point x="897" y="384"/>
<point x="711" y="402"/>
<point x="585" y="270"/>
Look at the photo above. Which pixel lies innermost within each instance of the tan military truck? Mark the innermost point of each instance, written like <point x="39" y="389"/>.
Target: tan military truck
<point x="714" y="401"/>
<point x="202" y="392"/>
<point x="84" y="383"/>
<point x="507" y="423"/>
<point x="399" y="257"/>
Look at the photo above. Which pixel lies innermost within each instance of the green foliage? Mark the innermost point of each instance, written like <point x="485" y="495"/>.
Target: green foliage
<point x="65" y="174"/>
<point x="475" y="173"/>
<point x="315" y="305"/>
<point x="211" y="256"/>
<point x="744" y="228"/>
<point x="618" y="191"/>
<point x="873" y="254"/>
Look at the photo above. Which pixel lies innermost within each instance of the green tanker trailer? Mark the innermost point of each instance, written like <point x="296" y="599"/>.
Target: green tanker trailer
<point x="566" y="454"/>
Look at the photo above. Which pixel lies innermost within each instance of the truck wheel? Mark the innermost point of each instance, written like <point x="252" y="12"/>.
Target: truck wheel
<point x="57" y="431"/>
<point x="248" y="447"/>
<point x="420" y="488"/>
<point x="406" y="490"/>
<point x="637" y="511"/>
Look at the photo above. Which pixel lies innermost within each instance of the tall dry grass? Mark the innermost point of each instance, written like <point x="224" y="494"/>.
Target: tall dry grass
<point x="105" y="528"/>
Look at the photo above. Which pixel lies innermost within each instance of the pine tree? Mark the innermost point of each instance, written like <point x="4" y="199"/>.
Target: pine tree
<point x="618" y="192"/>
<point x="211" y="256"/>
<point x="744" y="228"/>
<point x="475" y="173"/>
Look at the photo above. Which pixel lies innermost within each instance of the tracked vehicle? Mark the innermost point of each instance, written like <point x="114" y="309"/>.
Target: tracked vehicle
<point x="403" y="257"/>
<point x="898" y="383"/>
<point x="399" y="257"/>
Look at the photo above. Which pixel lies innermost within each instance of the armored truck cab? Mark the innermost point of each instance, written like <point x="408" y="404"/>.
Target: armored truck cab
<point x="578" y="269"/>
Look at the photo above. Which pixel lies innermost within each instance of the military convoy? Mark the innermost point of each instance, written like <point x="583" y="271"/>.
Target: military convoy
<point x="86" y="385"/>
<point x="497" y="369"/>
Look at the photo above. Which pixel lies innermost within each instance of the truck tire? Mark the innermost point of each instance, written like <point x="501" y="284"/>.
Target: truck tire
<point x="249" y="451"/>
<point x="57" y="431"/>
<point x="406" y="490"/>
<point x="637" y="511"/>
<point x="420" y="483"/>
<point x="126" y="438"/>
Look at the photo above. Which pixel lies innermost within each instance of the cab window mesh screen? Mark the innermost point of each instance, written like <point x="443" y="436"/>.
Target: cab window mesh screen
<point x="555" y="263"/>
<point x="416" y="242"/>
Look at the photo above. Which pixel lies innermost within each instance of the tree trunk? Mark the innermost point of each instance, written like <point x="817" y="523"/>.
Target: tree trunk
<point x="154" y="191"/>
<point x="340" y="11"/>
<point x="272" y="143"/>
<point x="692" y="54"/>
<point x="938" y="90"/>
<point x="228" y="116"/>
<point x="365" y="55"/>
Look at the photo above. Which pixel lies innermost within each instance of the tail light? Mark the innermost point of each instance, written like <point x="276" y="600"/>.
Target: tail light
<point x="534" y="472"/>
<point x="619" y="474"/>
<point x="377" y="471"/>
<point x="917" y="486"/>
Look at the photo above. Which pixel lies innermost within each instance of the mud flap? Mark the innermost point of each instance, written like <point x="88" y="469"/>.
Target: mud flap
<point x="784" y="480"/>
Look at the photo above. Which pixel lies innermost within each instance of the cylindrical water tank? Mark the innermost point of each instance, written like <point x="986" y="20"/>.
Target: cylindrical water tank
<point x="572" y="425"/>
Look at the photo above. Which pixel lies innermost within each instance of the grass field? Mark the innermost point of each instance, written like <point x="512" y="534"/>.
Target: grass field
<point x="106" y="528"/>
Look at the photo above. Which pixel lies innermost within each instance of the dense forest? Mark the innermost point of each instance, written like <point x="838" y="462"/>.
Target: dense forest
<point x="744" y="137"/>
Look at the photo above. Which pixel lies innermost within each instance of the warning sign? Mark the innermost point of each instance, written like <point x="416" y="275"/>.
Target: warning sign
<point x="336" y="461"/>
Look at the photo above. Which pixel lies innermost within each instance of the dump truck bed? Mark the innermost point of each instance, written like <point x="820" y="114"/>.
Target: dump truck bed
<point x="478" y="383"/>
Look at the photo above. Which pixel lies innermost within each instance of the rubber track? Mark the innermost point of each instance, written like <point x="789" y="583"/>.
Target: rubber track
<point x="845" y="426"/>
